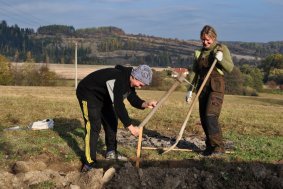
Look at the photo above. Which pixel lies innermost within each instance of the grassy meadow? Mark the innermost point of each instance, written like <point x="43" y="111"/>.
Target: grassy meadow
<point x="254" y="124"/>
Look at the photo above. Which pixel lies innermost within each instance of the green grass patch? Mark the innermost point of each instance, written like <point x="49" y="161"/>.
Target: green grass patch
<point x="43" y="185"/>
<point x="257" y="148"/>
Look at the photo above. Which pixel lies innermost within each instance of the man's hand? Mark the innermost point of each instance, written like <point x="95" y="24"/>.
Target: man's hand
<point x="134" y="130"/>
<point x="149" y="104"/>
<point x="189" y="96"/>
<point x="219" y="56"/>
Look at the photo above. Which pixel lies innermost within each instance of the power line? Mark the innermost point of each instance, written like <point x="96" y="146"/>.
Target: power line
<point x="20" y="13"/>
<point x="12" y="17"/>
<point x="13" y="13"/>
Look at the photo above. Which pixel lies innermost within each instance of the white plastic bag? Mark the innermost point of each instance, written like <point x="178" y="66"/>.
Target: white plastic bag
<point x="44" y="124"/>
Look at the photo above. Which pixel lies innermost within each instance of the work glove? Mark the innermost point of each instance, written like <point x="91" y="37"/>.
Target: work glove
<point x="189" y="96"/>
<point x="219" y="56"/>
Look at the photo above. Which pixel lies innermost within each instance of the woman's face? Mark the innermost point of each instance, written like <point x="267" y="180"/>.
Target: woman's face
<point x="207" y="41"/>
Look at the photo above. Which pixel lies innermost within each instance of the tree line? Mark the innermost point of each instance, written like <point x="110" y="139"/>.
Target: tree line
<point x="24" y="45"/>
<point x="53" y="44"/>
<point x="48" y="45"/>
<point x="244" y="80"/>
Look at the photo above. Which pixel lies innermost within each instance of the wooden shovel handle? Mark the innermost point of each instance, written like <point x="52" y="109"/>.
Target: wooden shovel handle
<point x="191" y="107"/>
<point x="161" y="101"/>
<point x="147" y="118"/>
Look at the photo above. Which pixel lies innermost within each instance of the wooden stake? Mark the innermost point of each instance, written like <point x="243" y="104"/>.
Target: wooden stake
<point x="139" y="148"/>
<point x="147" y="118"/>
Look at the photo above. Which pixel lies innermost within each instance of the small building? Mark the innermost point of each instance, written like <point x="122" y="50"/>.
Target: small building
<point x="179" y="71"/>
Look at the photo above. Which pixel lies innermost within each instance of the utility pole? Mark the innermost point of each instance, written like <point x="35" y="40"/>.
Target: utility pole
<point x="76" y="65"/>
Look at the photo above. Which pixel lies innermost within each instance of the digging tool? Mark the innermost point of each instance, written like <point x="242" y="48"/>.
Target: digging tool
<point x="191" y="107"/>
<point x="160" y="102"/>
<point x="161" y="150"/>
<point x="184" y="79"/>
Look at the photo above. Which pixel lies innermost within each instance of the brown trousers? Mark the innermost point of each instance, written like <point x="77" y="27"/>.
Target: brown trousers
<point x="210" y="104"/>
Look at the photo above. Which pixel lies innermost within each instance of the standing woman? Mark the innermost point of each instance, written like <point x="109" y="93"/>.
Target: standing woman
<point x="211" y="97"/>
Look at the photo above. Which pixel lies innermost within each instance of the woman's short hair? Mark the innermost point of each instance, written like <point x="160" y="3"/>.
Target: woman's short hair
<point x="208" y="30"/>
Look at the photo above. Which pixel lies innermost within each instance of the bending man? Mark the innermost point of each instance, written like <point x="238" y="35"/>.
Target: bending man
<point x="101" y="95"/>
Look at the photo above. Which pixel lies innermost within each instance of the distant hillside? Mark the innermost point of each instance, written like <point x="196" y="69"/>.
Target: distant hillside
<point x="111" y="45"/>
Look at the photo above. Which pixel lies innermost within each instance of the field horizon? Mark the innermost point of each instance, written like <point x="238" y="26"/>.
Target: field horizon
<point x="68" y="71"/>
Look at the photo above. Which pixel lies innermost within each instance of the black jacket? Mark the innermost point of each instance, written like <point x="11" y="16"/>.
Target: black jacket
<point x="110" y="85"/>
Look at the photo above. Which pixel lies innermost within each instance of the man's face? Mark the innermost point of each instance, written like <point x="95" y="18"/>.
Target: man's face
<point x="207" y="41"/>
<point x="136" y="83"/>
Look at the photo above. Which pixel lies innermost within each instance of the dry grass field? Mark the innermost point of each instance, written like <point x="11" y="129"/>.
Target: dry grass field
<point x="242" y="116"/>
<point x="252" y="124"/>
<point x="68" y="71"/>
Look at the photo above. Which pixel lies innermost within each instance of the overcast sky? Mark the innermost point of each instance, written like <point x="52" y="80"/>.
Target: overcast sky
<point x="234" y="20"/>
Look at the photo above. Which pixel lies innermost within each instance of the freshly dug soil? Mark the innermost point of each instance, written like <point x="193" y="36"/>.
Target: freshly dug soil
<point x="45" y="171"/>
<point x="206" y="173"/>
<point x="199" y="174"/>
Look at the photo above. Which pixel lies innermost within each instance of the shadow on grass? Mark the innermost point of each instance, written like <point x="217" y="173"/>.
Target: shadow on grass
<point x="71" y="130"/>
<point x="6" y="148"/>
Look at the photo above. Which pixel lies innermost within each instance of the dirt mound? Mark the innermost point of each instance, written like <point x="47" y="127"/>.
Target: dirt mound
<point x="198" y="175"/>
<point x="51" y="179"/>
<point x="205" y="173"/>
